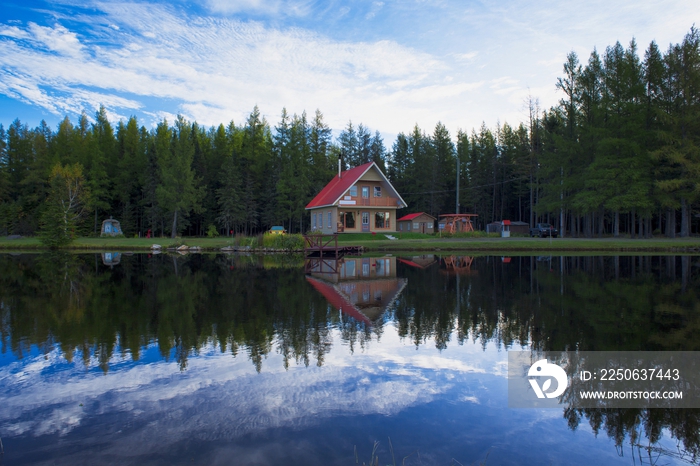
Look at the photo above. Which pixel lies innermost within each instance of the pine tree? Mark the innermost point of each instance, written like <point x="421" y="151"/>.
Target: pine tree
<point x="179" y="191"/>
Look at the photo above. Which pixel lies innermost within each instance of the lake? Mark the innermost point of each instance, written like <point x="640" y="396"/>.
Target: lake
<point x="254" y="360"/>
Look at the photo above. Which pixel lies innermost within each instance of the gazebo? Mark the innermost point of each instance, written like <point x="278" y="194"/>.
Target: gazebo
<point x="453" y="223"/>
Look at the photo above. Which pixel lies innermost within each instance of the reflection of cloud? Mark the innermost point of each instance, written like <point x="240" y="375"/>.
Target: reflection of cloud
<point x="44" y="396"/>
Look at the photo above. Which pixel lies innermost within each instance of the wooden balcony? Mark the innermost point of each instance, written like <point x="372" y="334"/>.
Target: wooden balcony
<point x="377" y="202"/>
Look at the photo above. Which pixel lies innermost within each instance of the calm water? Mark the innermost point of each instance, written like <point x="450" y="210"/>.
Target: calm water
<point x="114" y="359"/>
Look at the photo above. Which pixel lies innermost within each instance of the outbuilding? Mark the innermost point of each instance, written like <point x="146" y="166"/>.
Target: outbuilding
<point x="111" y="227"/>
<point x="514" y="227"/>
<point x="418" y="222"/>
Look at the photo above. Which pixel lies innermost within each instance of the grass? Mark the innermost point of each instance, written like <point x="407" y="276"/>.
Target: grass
<point x="408" y="242"/>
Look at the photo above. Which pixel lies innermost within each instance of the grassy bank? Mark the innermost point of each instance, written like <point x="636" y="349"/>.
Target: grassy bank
<point x="408" y="243"/>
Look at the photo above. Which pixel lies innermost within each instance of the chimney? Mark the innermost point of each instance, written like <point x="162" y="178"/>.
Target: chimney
<point x="339" y="173"/>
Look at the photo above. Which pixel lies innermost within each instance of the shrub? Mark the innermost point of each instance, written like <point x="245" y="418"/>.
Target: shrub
<point x="286" y="242"/>
<point x="212" y="231"/>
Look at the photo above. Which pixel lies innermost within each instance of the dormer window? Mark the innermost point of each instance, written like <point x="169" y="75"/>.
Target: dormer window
<point x="377" y="191"/>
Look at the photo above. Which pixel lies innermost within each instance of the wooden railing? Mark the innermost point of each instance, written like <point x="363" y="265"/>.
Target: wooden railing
<point x="377" y="202"/>
<point x="320" y="244"/>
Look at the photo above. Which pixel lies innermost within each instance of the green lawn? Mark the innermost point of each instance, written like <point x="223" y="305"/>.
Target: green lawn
<point x="408" y="242"/>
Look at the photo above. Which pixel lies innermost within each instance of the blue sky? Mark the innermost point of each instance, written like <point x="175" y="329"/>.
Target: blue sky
<point x="386" y="64"/>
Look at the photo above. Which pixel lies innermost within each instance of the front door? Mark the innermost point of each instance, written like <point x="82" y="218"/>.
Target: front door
<point x="365" y="222"/>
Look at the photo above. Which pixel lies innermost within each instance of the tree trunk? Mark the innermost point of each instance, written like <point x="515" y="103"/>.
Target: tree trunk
<point x="670" y="223"/>
<point x="685" y="219"/>
<point x="616" y="227"/>
<point x="633" y="232"/>
<point x="174" y="232"/>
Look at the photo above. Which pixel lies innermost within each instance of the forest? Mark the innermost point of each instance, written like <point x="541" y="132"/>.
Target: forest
<point x="618" y="155"/>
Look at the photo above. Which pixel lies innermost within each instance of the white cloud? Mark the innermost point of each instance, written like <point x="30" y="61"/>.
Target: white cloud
<point x="57" y="39"/>
<point x="215" y="69"/>
<point x="264" y="7"/>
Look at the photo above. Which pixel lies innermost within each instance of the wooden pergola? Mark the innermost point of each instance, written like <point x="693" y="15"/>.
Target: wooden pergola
<point x="457" y="222"/>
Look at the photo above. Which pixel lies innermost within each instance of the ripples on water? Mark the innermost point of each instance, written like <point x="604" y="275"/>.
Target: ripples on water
<point x="249" y="360"/>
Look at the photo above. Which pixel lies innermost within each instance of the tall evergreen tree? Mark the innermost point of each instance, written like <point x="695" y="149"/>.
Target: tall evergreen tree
<point x="179" y="191"/>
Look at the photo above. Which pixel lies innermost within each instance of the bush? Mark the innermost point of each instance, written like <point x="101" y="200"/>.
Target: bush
<point x="286" y="242"/>
<point x="212" y="232"/>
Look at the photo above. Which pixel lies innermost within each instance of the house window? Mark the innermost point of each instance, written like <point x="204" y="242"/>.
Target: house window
<point x="377" y="191"/>
<point x="313" y="221"/>
<point x="347" y="219"/>
<point x="365" y="192"/>
<point x="430" y="226"/>
<point x="330" y="219"/>
<point x="415" y="226"/>
<point x="353" y="191"/>
<point x="381" y="220"/>
<point x="401" y="227"/>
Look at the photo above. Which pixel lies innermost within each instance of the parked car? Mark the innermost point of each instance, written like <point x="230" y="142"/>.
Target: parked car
<point x="544" y="229"/>
<point x="277" y="230"/>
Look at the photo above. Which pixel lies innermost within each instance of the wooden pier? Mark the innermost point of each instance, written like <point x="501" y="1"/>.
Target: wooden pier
<point x="326" y="246"/>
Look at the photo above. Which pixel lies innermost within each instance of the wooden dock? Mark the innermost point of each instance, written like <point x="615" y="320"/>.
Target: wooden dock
<point x="326" y="246"/>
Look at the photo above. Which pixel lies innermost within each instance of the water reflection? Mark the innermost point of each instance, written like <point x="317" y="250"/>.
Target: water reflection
<point x="258" y="346"/>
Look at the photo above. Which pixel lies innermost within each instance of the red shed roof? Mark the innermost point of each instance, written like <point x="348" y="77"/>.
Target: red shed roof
<point x="339" y="186"/>
<point x="412" y="216"/>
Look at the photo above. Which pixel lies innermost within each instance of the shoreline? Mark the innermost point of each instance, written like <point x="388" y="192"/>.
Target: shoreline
<point x="425" y="245"/>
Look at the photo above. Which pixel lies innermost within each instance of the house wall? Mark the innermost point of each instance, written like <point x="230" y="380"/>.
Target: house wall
<point x="358" y="219"/>
<point x="323" y="211"/>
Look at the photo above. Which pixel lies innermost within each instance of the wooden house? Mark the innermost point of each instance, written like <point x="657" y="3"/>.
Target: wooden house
<point x="357" y="200"/>
<point x="419" y="222"/>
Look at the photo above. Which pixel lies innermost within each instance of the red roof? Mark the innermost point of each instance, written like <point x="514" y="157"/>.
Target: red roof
<point x="412" y="216"/>
<point x="338" y="186"/>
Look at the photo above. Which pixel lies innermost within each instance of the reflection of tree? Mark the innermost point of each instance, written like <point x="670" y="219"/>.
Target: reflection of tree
<point x="252" y="305"/>
<point x="642" y="430"/>
<point x="91" y="310"/>
<point x="257" y="304"/>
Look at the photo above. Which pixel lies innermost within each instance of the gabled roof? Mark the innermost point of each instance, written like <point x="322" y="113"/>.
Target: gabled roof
<point x="412" y="216"/>
<point x="338" y="186"/>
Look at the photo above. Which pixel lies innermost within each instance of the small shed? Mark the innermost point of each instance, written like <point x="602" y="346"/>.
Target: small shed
<point x="419" y="222"/>
<point x="515" y="227"/>
<point x="111" y="227"/>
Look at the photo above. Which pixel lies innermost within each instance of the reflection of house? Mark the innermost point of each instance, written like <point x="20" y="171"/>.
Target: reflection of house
<point x="111" y="227"/>
<point x="418" y="223"/>
<point x="357" y="200"/>
<point x="420" y="262"/>
<point x="362" y="288"/>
